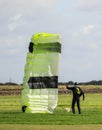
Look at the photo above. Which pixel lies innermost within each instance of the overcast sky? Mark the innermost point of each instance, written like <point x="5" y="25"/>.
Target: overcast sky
<point x="79" y="22"/>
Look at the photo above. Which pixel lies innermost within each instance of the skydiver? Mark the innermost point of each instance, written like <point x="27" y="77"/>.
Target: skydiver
<point x="77" y="93"/>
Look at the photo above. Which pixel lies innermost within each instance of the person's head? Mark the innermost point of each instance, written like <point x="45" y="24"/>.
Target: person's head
<point x="75" y="83"/>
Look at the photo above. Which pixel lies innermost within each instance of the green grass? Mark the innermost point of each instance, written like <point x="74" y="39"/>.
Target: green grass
<point x="10" y="112"/>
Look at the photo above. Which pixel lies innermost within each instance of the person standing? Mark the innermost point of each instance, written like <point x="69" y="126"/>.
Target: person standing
<point x="77" y="93"/>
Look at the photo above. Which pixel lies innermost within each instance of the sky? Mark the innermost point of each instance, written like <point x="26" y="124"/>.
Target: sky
<point x="79" y="22"/>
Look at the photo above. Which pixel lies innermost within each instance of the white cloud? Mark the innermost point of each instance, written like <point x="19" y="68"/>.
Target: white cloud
<point x="13" y="42"/>
<point x="26" y="5"/>
<point x="12" y="26"/>
<point x="16" y="17"/>
<point x="87" y="29"/>
<point x="21" y="37"/>
<point x="89" y="5"/>
<point x="13" y="22"/>
<point x="6" y="42"/>
<point x="13" y="46"/>
<point x="45" y="3"/>
<point x="12" y="51"/>
<point x="93" y="46"/>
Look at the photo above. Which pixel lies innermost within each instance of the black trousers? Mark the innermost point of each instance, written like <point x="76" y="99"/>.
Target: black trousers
<point x="76" y="101"/>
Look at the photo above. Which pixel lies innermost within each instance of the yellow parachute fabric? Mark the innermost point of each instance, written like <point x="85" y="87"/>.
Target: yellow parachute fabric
<point x="40" y="93"/>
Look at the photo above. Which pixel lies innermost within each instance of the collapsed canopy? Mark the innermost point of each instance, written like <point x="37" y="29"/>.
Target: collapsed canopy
<point x="40" y="93"/>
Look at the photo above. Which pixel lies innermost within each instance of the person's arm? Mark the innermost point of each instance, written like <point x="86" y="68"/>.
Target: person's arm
<point x="68" y="87"/>
<point x="83" y="95"/>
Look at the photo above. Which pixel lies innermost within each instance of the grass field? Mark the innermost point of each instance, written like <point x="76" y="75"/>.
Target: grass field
<point x="10" y="112"/>
<point x="11" y="117"/>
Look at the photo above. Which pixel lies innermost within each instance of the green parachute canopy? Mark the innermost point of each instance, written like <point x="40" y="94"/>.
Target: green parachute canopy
<point x="40" y="82"/>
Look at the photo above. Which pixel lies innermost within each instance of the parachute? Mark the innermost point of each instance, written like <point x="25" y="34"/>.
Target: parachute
<point x="40" y="82"/>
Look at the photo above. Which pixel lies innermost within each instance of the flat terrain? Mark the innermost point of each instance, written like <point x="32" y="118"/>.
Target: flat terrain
<point x="10" y="112"/>
<point x="50" y="127"/>
<point x="11" y="117"/>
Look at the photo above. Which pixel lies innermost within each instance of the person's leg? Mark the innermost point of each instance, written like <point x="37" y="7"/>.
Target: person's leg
<point x="73" y="105"/>
<point x="78" y="105"/>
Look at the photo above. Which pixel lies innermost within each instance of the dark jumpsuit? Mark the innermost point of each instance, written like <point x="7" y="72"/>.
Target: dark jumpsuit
<point x="76" y="98"/>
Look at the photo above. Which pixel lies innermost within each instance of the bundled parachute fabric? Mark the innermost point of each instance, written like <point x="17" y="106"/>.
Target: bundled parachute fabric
<point x="40" y="83"/>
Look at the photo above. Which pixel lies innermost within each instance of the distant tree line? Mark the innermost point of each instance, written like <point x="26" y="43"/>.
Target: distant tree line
<point x="9" y="83"/>
<point x="93" y="82"/>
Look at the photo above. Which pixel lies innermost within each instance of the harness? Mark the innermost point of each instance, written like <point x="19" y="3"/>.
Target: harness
<point x="78" y="91"/>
